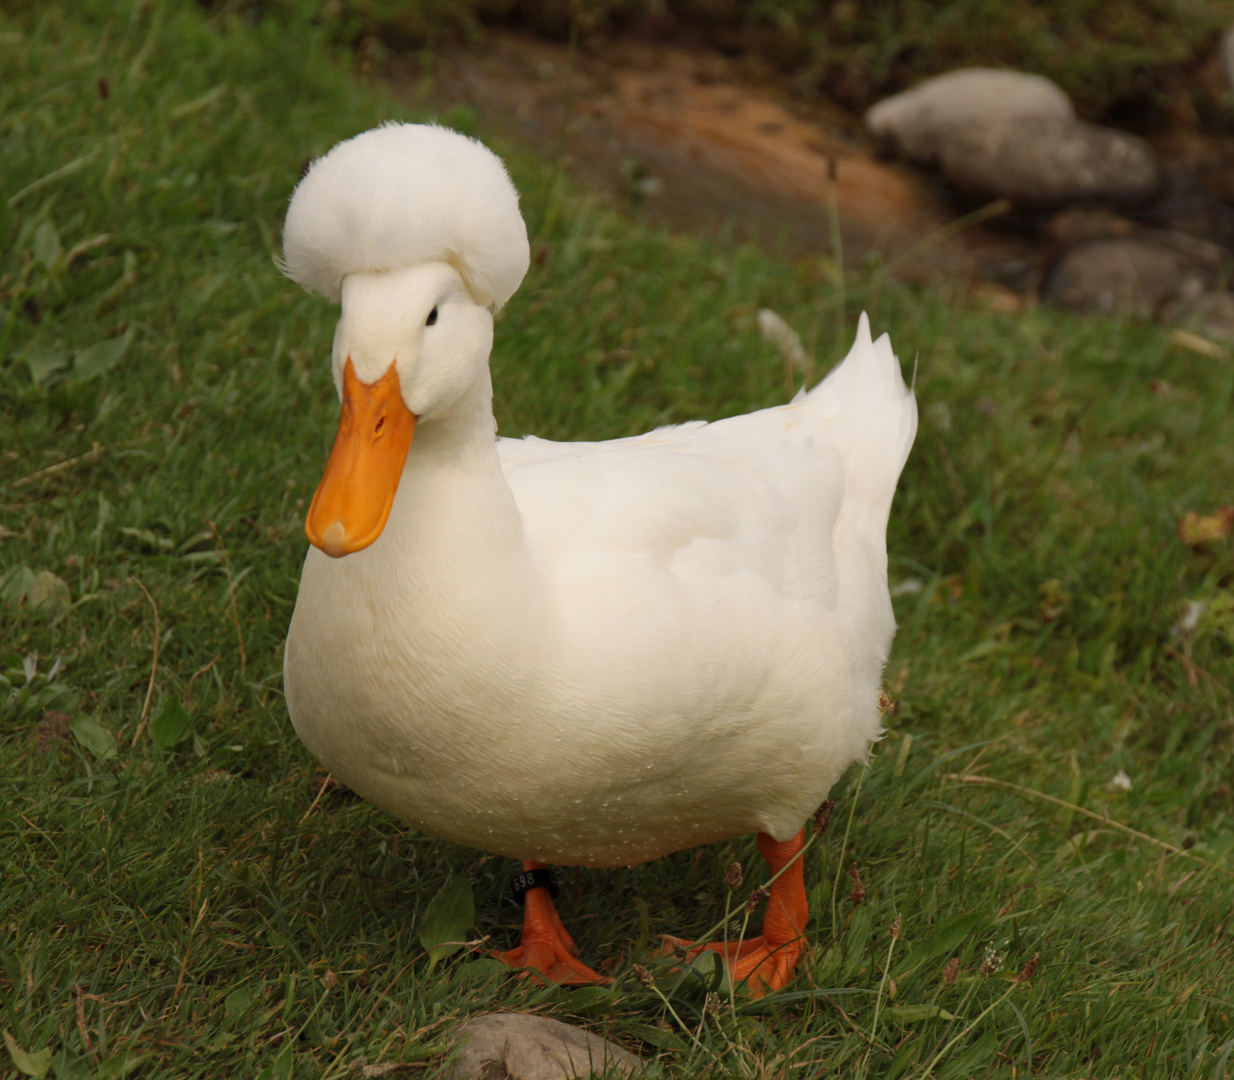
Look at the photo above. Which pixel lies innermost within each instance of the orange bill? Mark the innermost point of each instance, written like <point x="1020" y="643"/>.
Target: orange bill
<point x="357" y="490"/>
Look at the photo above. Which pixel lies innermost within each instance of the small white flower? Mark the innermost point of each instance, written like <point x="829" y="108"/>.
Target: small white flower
<point x="1190" y="618"/>
<point x="1120" y="781"/>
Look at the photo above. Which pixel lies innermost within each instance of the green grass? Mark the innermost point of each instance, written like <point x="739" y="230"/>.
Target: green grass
<point x="182" y="906"/>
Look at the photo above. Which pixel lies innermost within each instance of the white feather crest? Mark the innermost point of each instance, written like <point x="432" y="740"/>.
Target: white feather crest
<point x="404" y="194"/>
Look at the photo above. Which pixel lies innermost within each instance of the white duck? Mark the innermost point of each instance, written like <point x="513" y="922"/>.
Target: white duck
<point x="572" y="653"/>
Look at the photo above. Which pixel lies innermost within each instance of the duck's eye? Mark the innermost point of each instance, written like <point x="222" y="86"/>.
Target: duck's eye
<point x="432" y="318"/>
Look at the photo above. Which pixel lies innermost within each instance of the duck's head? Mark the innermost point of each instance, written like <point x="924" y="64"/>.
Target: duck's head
<point x="416" y="229"/>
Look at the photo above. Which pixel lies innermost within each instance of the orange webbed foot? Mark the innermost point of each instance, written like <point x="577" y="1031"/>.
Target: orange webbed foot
<point x="547" y="950"/>
<point x="548" y="960"/>
<point x="766" y="962"/>
<point x="761" y="964"/>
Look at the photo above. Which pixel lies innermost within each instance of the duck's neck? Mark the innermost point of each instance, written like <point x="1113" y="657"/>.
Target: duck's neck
<point x="454" y="518"/>
<point x="445" y="596"/>
<point x="464" y="435"/>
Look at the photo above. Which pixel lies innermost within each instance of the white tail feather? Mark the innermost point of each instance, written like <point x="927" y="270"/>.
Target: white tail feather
<point x="872" y="417"/>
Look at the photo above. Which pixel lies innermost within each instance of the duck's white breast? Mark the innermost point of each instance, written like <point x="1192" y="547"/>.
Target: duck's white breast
<point x="636" y="719"/>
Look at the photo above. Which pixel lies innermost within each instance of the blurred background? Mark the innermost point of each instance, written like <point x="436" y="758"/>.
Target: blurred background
<point x="1106" y="184"/>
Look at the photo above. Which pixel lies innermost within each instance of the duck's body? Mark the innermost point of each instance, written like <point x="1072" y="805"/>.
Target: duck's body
<point x="594" y="653"/>
<point x="600" y="653"/>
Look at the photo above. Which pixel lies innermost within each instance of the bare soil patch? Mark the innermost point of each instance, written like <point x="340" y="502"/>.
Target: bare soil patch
<point x="678" y="135"/>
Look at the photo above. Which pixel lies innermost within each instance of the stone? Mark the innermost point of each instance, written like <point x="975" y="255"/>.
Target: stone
<point x="919" y="123"/>
<point x="1152" y="276"/>
<point x="1040" y="163"/>
<point x="522" y="1046"/>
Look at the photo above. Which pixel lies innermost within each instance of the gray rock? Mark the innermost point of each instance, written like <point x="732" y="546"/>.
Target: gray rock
<point x="1040" y="163"/>
<point x="918" y="123"/>
<point x="521" y="1046"/>
<point x="1153" y="276"/>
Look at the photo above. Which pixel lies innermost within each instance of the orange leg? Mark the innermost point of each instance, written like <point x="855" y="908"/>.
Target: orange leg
<point x="547" y="949"/>
<point x="767" y="962"/>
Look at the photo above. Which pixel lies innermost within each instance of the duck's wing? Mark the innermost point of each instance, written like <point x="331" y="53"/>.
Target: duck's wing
<point x="752" y="495"/>
<point x="789" y="493"/>
<point x="531" y="450"/>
